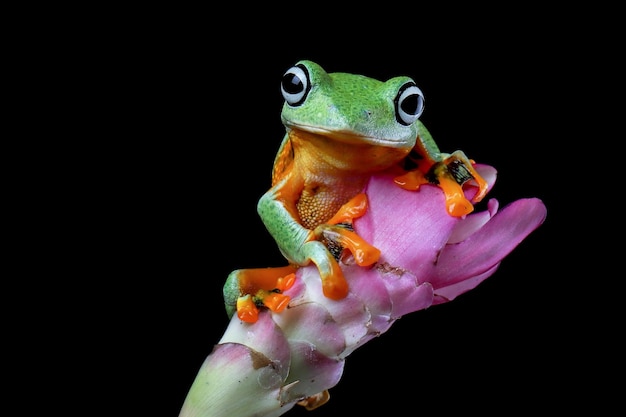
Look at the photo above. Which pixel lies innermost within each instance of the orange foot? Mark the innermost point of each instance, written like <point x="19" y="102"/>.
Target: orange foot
<point x="248" y="290"/>
<point x="314" y="401"/>
<point x="338" y="230"/>
<point x="450" y="175"/>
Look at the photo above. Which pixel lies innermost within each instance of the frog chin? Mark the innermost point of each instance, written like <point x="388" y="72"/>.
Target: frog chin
<point x="350" y="137"/>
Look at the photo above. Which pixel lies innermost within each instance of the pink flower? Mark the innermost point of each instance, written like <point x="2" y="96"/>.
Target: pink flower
<point x="427" y="258"/>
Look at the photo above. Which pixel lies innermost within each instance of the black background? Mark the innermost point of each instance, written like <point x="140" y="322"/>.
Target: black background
<point x="188" y="143"/>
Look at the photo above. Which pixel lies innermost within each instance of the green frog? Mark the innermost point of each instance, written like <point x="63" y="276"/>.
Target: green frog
<point x="341" y="129"/>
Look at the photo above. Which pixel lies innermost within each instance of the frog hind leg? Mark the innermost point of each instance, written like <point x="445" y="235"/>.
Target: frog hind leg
<point x="246" y="291"/>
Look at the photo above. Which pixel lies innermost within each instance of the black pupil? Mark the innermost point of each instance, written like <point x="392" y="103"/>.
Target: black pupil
<point x="410" y="104"/>
<point x="292" y="84"/>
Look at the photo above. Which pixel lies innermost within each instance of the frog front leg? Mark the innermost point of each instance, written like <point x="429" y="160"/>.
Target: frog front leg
<point x="338" y="232"/>
<point x="247" y="290"/>
<point x="302" y="246"/>
<point x="450" y="174"/>
<point x="428" y="165"/>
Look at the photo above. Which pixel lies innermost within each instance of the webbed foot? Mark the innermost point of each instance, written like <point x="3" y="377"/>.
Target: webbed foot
<point x="450" y="175"/>
<point x="314" y="401"/>
<point x="339" y="231"/>
<point x="337" y="235"/>
<point x="248" y="290"/>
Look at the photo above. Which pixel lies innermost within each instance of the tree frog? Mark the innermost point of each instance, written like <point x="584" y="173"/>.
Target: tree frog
<point x="340" y="129"/>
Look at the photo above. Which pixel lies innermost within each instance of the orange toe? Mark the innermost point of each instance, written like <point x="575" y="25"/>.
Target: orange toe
<point x="246" y="310"/>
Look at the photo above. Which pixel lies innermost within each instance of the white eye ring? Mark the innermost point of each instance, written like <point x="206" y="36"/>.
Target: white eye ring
<point x="295" y="85"/>
<point x="409" y="103"/>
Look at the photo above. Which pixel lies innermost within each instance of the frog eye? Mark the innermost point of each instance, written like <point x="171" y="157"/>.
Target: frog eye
<point x="409" y="103"/>
<point x="295" y="85"/>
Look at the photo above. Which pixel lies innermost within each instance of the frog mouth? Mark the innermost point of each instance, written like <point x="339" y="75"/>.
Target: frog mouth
<point x="346" y="136"/>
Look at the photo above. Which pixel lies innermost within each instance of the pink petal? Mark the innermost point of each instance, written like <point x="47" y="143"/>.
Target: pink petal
<point x="371" y="291"/>
<point x="409" y="227"/>
<point x="414" y="298"/>
<point x="311" y="322"/>
<point x="472" y="222"/>
<point x="311" y="372"/>
<point x="412" y="228"/>
<point x="449" y="293"/>
<point x="350" y="313"/>
<point x="366" y="285"/>
<point x="405" y="293"/>
<point x="264" y="336"/>
<point x="490" y="244"/>
<point x="233" y="380"/>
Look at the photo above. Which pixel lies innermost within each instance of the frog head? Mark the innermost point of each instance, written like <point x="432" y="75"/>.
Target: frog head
<point x="351" y="108"/>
